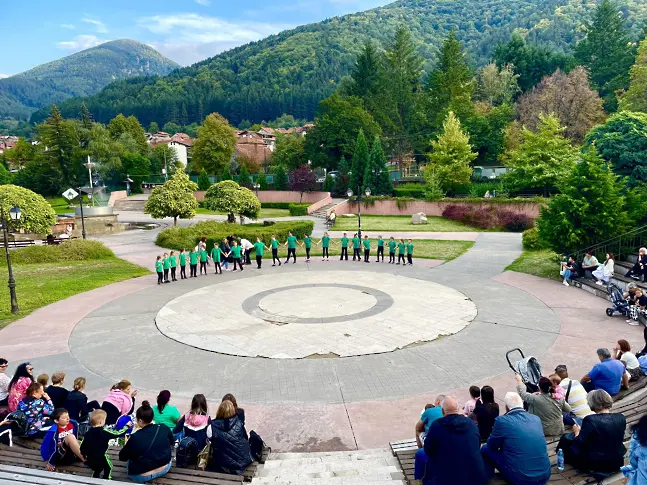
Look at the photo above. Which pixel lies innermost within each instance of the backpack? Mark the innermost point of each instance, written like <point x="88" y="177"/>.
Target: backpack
<point x="256" y="446"/>
<point x="186" y="453"/>
<point x="19" y="422"/>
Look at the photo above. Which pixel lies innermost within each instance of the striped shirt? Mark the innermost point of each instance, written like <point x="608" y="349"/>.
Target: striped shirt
<point x="576" y="398"/>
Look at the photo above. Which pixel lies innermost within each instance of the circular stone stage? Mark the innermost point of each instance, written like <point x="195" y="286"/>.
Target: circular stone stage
<point x="315" y="315"/>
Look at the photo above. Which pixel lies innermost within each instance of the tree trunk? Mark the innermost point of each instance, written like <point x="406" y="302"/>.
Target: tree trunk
<point x="231" y="218"/>
<point x="175" y="220"/>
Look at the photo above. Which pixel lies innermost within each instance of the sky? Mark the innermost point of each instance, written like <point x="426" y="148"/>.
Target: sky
<point x="33" y="32"/>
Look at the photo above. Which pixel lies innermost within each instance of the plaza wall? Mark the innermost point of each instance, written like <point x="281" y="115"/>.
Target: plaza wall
<point x="282" y="196"/>
<point x="390" y="208"/>
<point x="115" y="196"/>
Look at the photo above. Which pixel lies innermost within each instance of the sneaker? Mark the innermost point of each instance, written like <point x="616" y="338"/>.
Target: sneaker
<point x="565" y="283"/>
<point x="633" y="323"/>
<point x="273" y="265"/>
<point x="599" y="283"/>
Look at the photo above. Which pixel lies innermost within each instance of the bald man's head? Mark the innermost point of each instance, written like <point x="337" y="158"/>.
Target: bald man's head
<point x="450" y="406"/>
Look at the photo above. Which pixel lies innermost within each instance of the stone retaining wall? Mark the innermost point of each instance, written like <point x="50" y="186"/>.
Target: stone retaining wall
<point x="281" y="196"/>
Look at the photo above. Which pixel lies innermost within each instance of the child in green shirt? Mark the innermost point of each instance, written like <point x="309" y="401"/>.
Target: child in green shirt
<point x="193" y="263"/>
<point x="236" y="253"/>
<point x="367" y="249"/>
<point x="204" y="257"/>
<point x="260" y="248"/>
<point x="291" y="243"/>
<point x="159" y="269"/>
<point x="307" y="243"/>
<point x="392" y="245"/>
<point x="356" y="245"/>
<point x="173" y="261"/>
<point x="410" y="252"/>
<point x="274" y="244"/>
<point x="401" y="249"/>
<point x="344" y="248"/>
<point x="215" y="257"/>
<point x="183" y="264"/>
<point x="380" y="249"/>
<point x="167" y="266"/>
<point x="325" y="244"/>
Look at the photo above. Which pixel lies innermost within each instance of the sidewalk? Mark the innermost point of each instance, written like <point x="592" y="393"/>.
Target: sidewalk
<point x="443" y="236"/>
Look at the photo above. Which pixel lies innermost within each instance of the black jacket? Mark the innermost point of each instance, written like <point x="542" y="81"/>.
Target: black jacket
<point x="58" y="395"/>
<point x="485" y="415"/>
<point x="230" y="451"/>
<point x="76" y="405"/>
<point x="95" y="444"/>
<point x="453" y="447"/>
<point x="599" y="445"/>
<point x="148" y="449"/>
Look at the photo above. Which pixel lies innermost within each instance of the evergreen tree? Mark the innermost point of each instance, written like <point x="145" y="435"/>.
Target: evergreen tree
<point x="607" y="52"/>
<point x="86" y="117"/>
<point x="57" y="137"/>
<point x="203" y="180"/>
<point x="261" y="180"/>
<point x="226" y="174"/>
<point x="589" y="209"/>
<point x="366" y="72"/>
<point x="543" y="159"/>
<point x="359" y="163"/>
<point x="153" y="127"/>
<point x="244" y="179"/>
<point x="450" y="84"/>
<point x="343" y="179"/>
<point x="635" y="99"/>
<point x="329" y="183"/>
<point x="433" y="188"/>
<point x="451" y="155"/>
<point x="376" y="175"/>
<point x="280" y="178"/>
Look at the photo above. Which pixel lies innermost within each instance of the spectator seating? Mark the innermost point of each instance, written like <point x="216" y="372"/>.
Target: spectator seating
<point x="13" y="475"/>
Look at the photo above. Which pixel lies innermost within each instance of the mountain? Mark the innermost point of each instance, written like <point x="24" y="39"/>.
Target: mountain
<point x="80" y="74"/>
<point x="292" y="71"/>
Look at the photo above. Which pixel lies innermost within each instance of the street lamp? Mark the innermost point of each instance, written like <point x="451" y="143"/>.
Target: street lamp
<point x="82" y="218"/>
<point x="349" y="193"/>
<point x="256" y="187"/>
<point x="90" y="164"/>
<point x="14" y="214"/>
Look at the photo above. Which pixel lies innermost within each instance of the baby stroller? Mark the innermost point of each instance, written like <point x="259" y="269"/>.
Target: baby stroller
<point x="620" y="305"/>
<point x="528" y="368"/>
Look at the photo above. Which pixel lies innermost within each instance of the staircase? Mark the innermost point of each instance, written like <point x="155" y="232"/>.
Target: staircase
<point x="363" y="467"/>
<point x="321" y="212"/>
<point x="129" y="204"/>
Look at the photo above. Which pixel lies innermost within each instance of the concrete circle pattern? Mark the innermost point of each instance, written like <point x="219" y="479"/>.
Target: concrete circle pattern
<point x="267" y="316"/>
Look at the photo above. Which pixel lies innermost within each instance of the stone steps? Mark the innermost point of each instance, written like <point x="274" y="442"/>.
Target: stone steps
<point x="124" y="205"/>
<point x="321" y="212"/>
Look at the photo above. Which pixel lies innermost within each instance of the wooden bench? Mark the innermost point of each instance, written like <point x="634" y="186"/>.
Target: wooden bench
<point x="21" y="244"/>
<point x="26" y="453"/>
<point x="14" y="475"/>
<point x="633" y="410"/>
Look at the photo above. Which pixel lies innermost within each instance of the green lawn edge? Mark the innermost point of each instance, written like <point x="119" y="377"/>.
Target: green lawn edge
<point x="543" y="263"/>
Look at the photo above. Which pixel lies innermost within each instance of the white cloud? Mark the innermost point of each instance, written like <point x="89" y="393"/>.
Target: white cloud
<point x="68" y="26"/>
<point x="2" y="76"/>
<point x="80" y="42"/>
<point x="206" y="3"/>
<point x="100" y="26"/>
<point x="190" y="37"/>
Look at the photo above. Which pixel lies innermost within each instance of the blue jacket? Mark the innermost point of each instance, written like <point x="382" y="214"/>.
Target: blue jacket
<point x="519" y="437"/>
<point x="453" y="447"/>
<point x="48" y="447"/>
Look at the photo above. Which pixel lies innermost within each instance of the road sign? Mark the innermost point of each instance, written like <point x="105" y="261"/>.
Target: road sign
<point x="70" y="194"/>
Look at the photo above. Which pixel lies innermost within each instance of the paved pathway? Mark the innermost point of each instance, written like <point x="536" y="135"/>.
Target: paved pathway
<point x="322" y="404"/>
<point x="445" y="236"/>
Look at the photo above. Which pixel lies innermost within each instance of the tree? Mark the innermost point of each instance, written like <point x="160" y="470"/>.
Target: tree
<point x="280" y="178"/>
<point x="376" y="175"/>
<point x="19" y="155"/>
<point x="173" y="199"/>
<point x="5" y="176"/>
<point x="215" y="145"/>
<point x="171" y="128"/>
<point x="451" y="155"/>
<point x="567" y="96"/>
<point x="343" y="178"/>
<point x="607" y="52"/>
<point x="227" y="196"/>
<point x="542" y="160"/>
<point x="328" y="184"/>
<point x="261" y="180"/>
<point x="589" y="209"/>
<point x="59" y="143"/>
<point x="433" y="188"/>
<point x="337" y="124"/>
<point x="359" y="162"/>
<point x="497" y="86"/>
<point x="635" y="99"/>
<point x="622" y="142"/>
<point x="163" y="156"/>
<point x="203" y="180"/>
<point x="302" y="180"/>
<point x="486" y="128"/>
<point x="366" y="72"/>
<point x="226" y="174"/>
<point x="153" y="127"/>
<point x="244" y="179"/>
<point x="450" y="84"/>
<point x="120" y="125"/>
<point x="86" y="117"/>
<point x="290" y="151"/>
<point x="37" y="215"/>
<point x="41" y="178"/>
<point x="137" y="166"/>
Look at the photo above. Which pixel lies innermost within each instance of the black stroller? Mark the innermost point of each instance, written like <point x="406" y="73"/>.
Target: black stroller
<point x="528" y="368"/>
<point x="618" y="302"/>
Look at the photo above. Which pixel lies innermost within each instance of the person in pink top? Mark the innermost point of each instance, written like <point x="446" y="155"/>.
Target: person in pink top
<point x="559" y="392"/>
<point x="475" y="393"/>
<point x="22" y="379"/>
<point x="120" y="401"/>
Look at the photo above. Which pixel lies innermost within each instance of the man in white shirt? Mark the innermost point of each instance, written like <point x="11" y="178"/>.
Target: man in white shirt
<point x="247" y="247"/>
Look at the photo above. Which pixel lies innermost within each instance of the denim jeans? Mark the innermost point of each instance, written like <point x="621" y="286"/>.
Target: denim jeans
<point x="149" y="478"/>
<point x="567" y="274"/>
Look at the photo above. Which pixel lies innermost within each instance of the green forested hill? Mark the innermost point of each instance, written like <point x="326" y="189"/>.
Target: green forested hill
<point x="80" y="74"/>
<point x="292" y="71"/>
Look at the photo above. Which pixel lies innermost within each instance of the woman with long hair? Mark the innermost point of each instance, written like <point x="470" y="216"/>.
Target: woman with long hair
<point x="605" y="271"/>
<point x="230" y="451"/>
<point x="485" y="412"/>
<point x="195" y="423"/>
<point x="164" y="412"/>
<point x="623" y="353"/>
<point x="21" y="380"/>
<point x="119" y="402"/>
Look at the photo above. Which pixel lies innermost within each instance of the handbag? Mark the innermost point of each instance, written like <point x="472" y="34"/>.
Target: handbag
<point x="204" y="456"/>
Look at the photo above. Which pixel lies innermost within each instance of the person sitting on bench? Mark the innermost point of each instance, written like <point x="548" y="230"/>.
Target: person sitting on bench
<point x="608" y="374"/>
<point x="639" y="269"/>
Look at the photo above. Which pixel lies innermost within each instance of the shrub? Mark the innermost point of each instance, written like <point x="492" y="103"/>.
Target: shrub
<point x="298" y="209"/>
<point x="417" y="191"/>
<point x="530" y="240"/>
<point x="490" y="217"/>
<point x="73" y="250"/>
<point x="514" y="221"/>
<point x="187" y="237"/>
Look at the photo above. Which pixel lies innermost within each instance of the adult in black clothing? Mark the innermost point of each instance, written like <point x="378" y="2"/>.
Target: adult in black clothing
<point x="230" y="452"/>
<point x="148" y="451"/>
<point x="597" y="445"/>
<point x="56" y="391"/>
<point x="644" y="350"/>
<point x="240" y="412"/>
<point x="485" y="412"/>
<point x="77" y="404"/>
<point x="639" y="270"/>
<point x="225" y="248"/>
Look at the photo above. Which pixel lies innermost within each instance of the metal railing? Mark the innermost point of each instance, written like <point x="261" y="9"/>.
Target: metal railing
<point x="620" y="246"/>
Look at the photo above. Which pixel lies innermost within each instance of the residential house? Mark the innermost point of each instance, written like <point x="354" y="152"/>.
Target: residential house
<point x="181" y="144"/>
<point x="252" y="147"/>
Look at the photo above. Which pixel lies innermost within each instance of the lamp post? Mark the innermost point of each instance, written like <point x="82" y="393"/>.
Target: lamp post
<point x="256" y="187"/>
<point x="90" y="164"/>
<point x="349" y="193"/>
<point x="82" y="218"/>
<point x="14" y="214"/>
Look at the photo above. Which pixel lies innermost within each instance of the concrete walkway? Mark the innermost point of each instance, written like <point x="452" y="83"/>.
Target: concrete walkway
<point x="321" y="404"/>
<point x="443" y="236"/>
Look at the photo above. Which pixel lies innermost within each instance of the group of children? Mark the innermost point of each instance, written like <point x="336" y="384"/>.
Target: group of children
<point x="238" y="254"/>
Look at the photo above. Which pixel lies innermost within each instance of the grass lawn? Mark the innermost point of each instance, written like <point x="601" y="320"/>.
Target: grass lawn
<point x="40" y="284"/>
<point x="264" y="214"/>
<point x="62" y="206"/>
<point x="543" y="263"/>
<point x="400" y="223"/>
<point x="423" y="248"/>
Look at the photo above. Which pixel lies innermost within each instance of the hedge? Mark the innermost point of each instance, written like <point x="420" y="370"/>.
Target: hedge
<point x="417" y="191"/>
<point x="530" y="240"/>
<point x="296" y="209"/>
<point x="187" y="237"/>
<point x="72" y="250"/>
<point x="488" y="217"/>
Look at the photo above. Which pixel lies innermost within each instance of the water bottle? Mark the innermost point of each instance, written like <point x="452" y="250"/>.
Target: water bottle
<point x="560" y="460"/>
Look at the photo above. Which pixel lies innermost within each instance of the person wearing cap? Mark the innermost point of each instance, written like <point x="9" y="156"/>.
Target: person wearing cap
<point x="608" y="374"/>
<point x="574" y="392"/>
